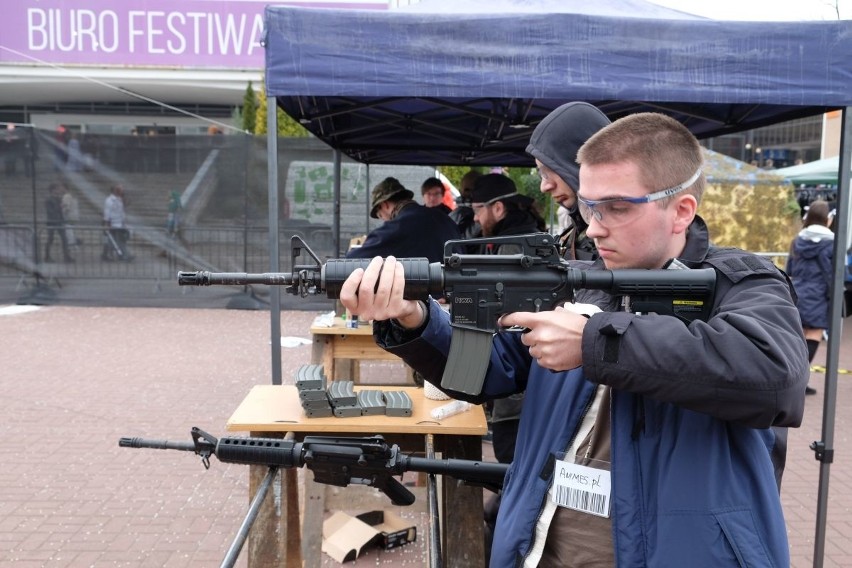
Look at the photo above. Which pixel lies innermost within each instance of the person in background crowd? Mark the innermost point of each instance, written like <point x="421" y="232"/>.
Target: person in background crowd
<point x="409" y="230"/>
<point x="554" y="144"/>
<point x="810" y="268"/>
<point x="115" y="226"/>
<point x="71" y="213"/>
<point x="462" y="215"/>
<point x="56" y="222"/>
<point x="672" y="420"/>
<point x="501" y="211"/>
<point x="433" y="191"/>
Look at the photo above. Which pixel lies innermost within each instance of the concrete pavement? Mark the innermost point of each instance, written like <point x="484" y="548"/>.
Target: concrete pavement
<point x="75" y="379"/>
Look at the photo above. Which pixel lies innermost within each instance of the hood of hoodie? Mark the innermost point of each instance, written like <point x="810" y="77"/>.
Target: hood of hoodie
<point x="811" y="240"/>
<point x="557" y="138"/>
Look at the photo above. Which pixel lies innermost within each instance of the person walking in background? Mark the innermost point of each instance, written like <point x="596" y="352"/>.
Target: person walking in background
<point x="433" y="191"/>
<point x="75" y="154"/>
<point x="71" y="213"/>
<point x="810" y="268"/>
<point x="56" y="222"/>
<point x="175" y="214"/>
<point x="115" y="227"/>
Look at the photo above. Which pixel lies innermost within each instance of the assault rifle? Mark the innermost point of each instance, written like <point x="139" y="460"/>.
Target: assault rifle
<point x="482" y="287"/>
<point x="338" y="461"/>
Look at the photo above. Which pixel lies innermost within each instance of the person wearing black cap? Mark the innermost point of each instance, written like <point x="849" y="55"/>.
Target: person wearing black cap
<point x="500" y="210"/>
<point x="554" y="144"/>
<point x="409" y="229"/>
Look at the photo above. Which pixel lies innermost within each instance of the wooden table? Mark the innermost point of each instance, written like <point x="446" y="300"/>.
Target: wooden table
<point x="273" y="410"/>
<point x="338" y="342"/>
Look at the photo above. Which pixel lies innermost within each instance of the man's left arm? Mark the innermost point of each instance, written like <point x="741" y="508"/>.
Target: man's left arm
<point x="747" y="364"/>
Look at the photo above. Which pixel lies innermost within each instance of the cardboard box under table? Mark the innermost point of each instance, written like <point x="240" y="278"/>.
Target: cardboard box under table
<point x="273" y="410"/>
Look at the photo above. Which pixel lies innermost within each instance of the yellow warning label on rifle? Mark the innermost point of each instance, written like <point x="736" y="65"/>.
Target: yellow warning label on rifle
<point x="688" y="302"/>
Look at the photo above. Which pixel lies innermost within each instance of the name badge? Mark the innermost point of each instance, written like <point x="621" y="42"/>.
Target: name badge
<point x="582" y="488"/>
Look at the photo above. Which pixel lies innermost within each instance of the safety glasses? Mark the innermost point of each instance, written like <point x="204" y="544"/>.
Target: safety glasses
<point x="621" y="210"/>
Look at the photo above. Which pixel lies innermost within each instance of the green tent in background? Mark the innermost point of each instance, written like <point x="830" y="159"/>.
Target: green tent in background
<point x="813" y="173"/>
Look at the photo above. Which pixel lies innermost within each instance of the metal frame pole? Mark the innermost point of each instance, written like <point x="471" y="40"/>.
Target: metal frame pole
<point x="272" y="181"/>
<point x="236" y="547"/>
<point x="824" y="448"/>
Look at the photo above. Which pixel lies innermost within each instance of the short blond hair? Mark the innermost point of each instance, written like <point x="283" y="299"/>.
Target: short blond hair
<point x="664" y="150"/>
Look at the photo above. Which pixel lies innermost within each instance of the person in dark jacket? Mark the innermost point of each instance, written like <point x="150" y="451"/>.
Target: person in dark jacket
<point x="409" y="229"/>
<point x="56" y="222"/>
<point x="501" y="211"/>
<point x="462" y="215"/>
<point x="810" y="268"/>
<point x="645" y="440"/>
<point x="554" y="144"/>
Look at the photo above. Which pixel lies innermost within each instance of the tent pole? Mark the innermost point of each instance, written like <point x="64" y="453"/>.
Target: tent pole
<point x="824" y="449"/>
<point x="369" y="192"/>
<point x="272" y="182"/>
<point x="335" y="230"/>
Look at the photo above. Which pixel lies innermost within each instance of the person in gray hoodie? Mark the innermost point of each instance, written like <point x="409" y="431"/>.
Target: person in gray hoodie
<point x="554" y="144"/>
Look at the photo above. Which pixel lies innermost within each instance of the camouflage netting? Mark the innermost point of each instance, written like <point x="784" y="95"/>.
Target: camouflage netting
<point x="747" y="207"/>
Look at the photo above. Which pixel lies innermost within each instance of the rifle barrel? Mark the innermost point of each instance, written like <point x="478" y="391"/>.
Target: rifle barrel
<point x="156" y="444"/>
<point x="466" y="470"/>
<point x="206" y="278"/>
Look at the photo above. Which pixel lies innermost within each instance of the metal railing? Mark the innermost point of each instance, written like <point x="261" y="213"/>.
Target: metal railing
<point x="85" y="252"/>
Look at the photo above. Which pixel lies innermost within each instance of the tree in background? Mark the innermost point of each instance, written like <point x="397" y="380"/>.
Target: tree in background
<point x="249" y="110"/>
<point x="455" y="173"/>
<point x="287" y="126"/>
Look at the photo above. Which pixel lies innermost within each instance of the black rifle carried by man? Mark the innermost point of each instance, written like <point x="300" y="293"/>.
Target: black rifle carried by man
<point x="480" y="288"/>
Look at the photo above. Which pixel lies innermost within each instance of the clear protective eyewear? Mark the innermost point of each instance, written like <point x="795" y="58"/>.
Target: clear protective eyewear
<point x="621" y="210"/>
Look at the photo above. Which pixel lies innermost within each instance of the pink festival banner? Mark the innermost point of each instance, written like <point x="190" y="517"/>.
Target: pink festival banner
<point x="142" y="33"/>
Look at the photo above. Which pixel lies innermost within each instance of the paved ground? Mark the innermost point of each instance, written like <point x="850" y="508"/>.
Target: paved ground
<point x="76" y="379"/>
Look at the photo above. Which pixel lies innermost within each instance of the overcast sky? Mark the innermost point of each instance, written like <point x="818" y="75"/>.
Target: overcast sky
<point x="783" y="10"/>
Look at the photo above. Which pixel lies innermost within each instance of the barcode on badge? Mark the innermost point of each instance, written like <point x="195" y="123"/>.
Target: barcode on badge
<point x="585" y="501"/>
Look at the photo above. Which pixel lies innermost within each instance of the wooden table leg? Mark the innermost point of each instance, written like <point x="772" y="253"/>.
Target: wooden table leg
<point x="463" y="543"/>
<point x="322" y="353"/>
<point x="312" y="522"/>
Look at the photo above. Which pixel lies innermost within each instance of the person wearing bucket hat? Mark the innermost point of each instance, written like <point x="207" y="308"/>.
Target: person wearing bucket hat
<point x="391" y="192"/>
<point x="554" y="144"/>
<point x="410" y="230"/>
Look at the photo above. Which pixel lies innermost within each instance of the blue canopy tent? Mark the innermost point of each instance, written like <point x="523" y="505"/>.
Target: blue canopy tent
<point x="466" y="82"/>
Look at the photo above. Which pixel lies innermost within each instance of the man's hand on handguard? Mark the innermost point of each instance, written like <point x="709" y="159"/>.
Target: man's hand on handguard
<point x="376" y="294"/>
<point x="554" y="338"/>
